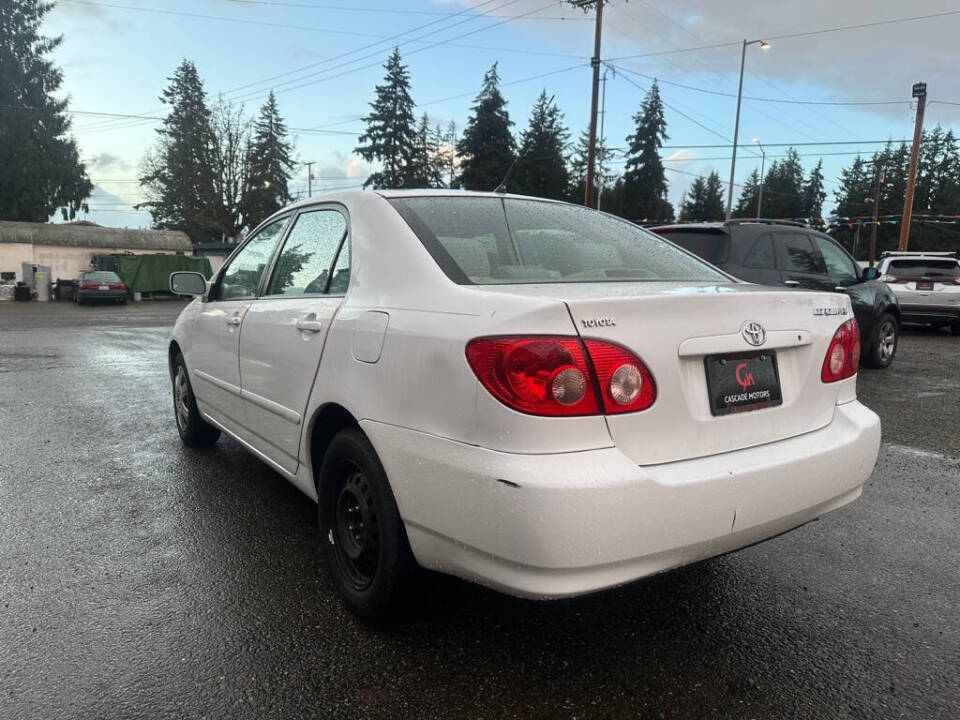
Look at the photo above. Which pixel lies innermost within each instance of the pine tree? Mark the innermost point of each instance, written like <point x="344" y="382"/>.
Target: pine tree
<point x="40" y="168"/>
<point x="177" y="176"/>
<point x="271" y="165"/>
<point x="783" y="188"/>
<point x="749" y="195"/>
<point x="704" y="199"/>
<point x="390" y="138"/>
<point x="425" y="170"/>
<point x="813" y="192"/>
<point x="487" y="148"/>
<point x="641" y="195"/>
<point x="442" y="154"/>
<point x="604" y="178"/>
<point x="541" y="168"/>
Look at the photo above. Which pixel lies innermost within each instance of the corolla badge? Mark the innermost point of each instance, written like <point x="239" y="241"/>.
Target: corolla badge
<point x="753" y="333"/>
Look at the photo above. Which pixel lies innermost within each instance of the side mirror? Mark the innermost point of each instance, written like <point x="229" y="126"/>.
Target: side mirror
<point x="187" y="283"/>
<point x="870" y="273"/>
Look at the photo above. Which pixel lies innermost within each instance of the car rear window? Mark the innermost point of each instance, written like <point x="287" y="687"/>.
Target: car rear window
<point x="102" y="276"/>
<point x="712" y="246"/>
<point x="490" y="240"/>
<point x="925" y="268"/>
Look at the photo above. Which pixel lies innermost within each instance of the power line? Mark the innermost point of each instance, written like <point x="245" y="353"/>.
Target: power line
<point x="381" y="10"/>
<point x="788" y="36"/>
<point x="791" y="144"/>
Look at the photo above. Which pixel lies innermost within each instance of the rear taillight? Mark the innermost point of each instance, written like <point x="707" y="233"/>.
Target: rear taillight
<point x="625" y="382"/>
<point x="956" y="280"/>
<point x="555" y="375"/>
<point x="89" y="286"/>
<point x="890" y="279"/>
<point x="117" y="286"/>
<point x="843" y="354"/>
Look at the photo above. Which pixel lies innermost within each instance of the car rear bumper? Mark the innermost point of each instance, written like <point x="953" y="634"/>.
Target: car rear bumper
<point x="565" y="524"/>
<point x="101" y="294"/>
<point x="920" y="312"/>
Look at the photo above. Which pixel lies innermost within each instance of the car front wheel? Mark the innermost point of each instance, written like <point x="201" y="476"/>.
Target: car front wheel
<point x="364" y="540"/>
<point x="193" y="429"/>
<point x="884" y="342"/>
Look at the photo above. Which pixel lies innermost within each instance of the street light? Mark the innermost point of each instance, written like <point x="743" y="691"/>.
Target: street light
<point x="763" y="162"/>
<point x="736" y="126"/>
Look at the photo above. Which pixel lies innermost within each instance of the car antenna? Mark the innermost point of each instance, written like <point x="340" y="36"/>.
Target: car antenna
<point x="502" y="187"/>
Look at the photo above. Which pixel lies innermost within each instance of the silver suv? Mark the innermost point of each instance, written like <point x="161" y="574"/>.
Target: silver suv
<point x="927" y="285"/>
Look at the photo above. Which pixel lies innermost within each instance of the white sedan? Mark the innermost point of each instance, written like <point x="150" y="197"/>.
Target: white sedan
<point x="528" y="394"/>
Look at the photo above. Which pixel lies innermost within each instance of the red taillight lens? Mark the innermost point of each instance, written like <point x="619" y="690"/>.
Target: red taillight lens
<point x="117" y="286"/>
<point x="552" y="376"/>
<point x="87" y="286"/>
<point x="843" y="354"/>
<point x="625" y="381"/>
<point x="890" y="279"/>
<point x="956" y="280"/>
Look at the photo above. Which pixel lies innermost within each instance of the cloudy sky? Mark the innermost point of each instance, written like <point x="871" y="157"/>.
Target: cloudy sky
<point x="837" y="74"/>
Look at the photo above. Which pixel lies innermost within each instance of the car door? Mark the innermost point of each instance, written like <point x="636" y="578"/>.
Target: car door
<point x="284" y="331"/>
<point x="801" y="264"/>
<point x="215" y="339"/>
<point x="845" y="276"/>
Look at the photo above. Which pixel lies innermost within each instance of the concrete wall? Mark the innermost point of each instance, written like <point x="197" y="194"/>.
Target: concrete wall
<point x="65" y="262"/>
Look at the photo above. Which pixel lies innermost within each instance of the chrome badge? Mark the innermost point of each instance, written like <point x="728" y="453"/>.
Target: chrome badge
<point x="753" y="333"/>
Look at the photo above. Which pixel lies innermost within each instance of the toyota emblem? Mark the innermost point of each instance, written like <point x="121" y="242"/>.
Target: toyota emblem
<point x="753" y="333"/>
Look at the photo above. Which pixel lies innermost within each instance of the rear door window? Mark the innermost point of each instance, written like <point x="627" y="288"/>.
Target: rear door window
<point x="761" y="255"/>
<point x="796" y="253"/>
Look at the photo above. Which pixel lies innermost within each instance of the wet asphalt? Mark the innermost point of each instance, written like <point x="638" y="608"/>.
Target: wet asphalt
<point x="142" y="579"/>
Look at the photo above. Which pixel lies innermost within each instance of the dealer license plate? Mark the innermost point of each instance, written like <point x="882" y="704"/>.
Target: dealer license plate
<point x="741" y="382"/>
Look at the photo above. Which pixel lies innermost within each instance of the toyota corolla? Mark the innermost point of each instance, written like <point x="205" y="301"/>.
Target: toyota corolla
<point x="528" y="394"/>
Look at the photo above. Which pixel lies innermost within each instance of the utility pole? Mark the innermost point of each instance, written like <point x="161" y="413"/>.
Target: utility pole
<point x="595" y="64"/>
<point x="876" y="217"/>
<point x="310" y="178"/>
<point x="603" y="116"/>
<point x="920" y="93"/>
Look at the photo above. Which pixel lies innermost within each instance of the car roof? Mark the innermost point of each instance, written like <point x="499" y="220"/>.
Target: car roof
<point x="345" y="196"/>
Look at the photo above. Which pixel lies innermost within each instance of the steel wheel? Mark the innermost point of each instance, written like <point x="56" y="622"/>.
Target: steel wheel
<point x="887" y="341"/>
<point x="356" y="525"/>
<point x="181" y="398"/>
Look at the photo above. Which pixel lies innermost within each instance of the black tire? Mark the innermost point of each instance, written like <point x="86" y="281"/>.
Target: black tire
<point x="364" y="541"/>
<point x="884" y="342"/>
<point x="194" y="431"/>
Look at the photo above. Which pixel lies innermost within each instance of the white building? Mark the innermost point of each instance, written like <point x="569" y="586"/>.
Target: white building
<point x="69" y="248"/>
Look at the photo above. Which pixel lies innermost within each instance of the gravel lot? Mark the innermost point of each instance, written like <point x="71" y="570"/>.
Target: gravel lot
<point x="140" y="579"/>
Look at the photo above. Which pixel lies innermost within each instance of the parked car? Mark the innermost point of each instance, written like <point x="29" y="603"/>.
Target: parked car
<point x="525" y="393"/>
<point x="927" y="285"/>
<point x="100" y="285"/>
<point x="771" y="252"/>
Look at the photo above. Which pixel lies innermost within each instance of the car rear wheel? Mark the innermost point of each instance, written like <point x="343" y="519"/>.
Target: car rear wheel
<point x="193" y="429"/>
<point x="365" y="544"/>
<point x="884" y="342"/>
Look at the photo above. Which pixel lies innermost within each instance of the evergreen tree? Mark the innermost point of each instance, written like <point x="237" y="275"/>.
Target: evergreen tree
<point x="40" y="168"/>
<point x="813" y="192"/>
<point x="426" y="167"/>
<point x="177" y="176"/>
<point x="271" y="165"/>
<point x="541" y="168"/>
<point x="783" y="188"/>
<point x="604" y="178"/>
<point x="641" y="194"/>
<point x="746" y="206"/>
<point x="391" y="138"/>
<point x="441" y="155"/>
<point x="487" y="148"/>
<point x="703" y="200"/>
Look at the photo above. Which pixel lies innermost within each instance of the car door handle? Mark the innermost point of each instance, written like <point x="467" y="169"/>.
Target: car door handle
<point x="840" y="288"/>
<point x="792" y="283"/>
<point x="234" y="320"/>
<point x="313" y="326"/>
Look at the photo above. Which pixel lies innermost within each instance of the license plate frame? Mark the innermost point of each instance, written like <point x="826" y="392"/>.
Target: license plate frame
<point x="925" y="285"/>
<point x="742" y="382"/>
<point x="104" y="287"/>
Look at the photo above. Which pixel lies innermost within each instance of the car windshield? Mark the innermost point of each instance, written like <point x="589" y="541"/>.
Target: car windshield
<point x="924" y="268"/>
<point x="101" y="276"/>
<point x="490" y="240"/>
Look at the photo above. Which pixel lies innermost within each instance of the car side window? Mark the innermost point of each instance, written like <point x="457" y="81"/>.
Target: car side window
<point x="796" y="253"/>
<point x="241" y="278"/>
<point x="838" y="263"/>
<point x="761" y="254"/>
<point x="305" y="266"/>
